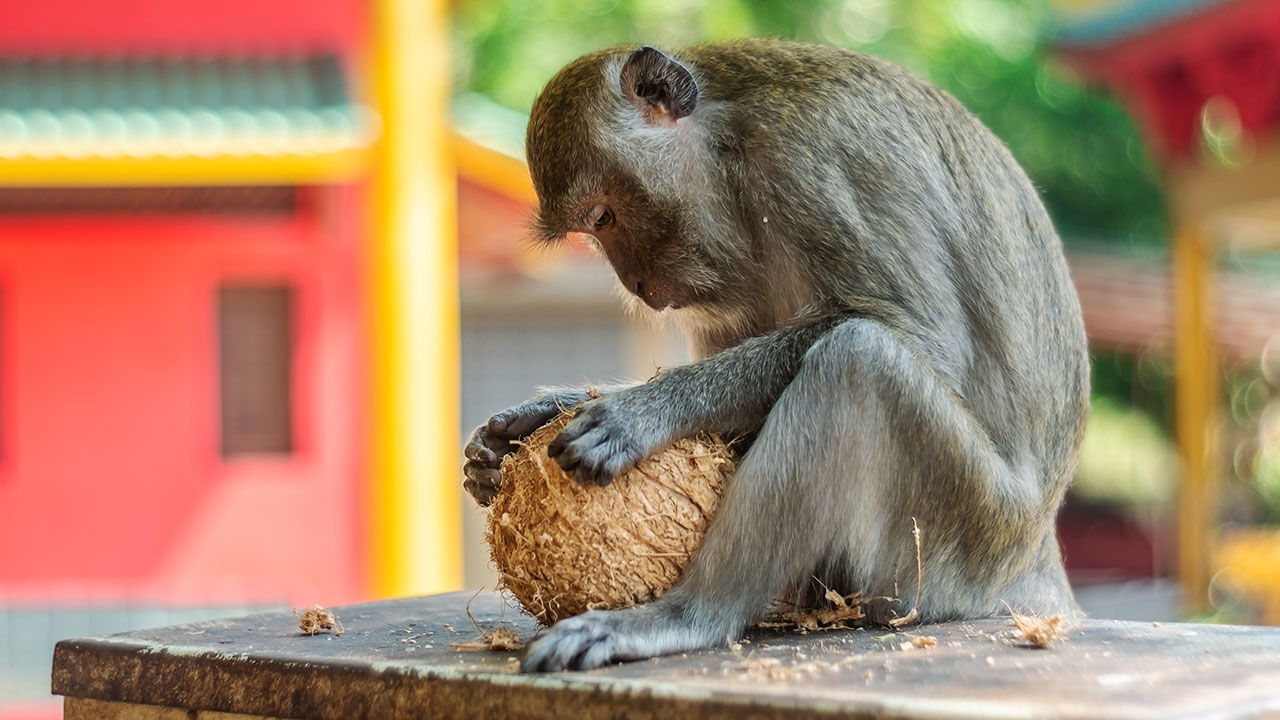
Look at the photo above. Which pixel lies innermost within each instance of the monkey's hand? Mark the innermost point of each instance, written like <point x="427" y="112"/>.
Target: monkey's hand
<point x="495" y="440"/>
<point x="601" y="637"/>
<point x="613" y="433"/>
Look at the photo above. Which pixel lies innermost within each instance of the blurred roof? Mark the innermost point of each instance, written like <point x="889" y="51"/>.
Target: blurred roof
<point x="94" y="119"/>
<point x="1184" y="68"/>
<point x="488" y="146"/>
<point x="1127" y="302"/>
<point x="1109" y="21"/>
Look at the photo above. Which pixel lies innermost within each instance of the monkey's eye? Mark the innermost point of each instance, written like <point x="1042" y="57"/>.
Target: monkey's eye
<point x="600" y="218"/>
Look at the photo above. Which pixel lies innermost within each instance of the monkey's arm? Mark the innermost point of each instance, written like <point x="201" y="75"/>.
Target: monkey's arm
<point x="730" y="393"/>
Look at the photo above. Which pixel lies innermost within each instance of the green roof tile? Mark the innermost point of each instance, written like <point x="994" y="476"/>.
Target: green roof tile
<point x="1126" y="19"/>
<point x="70" y="107"/>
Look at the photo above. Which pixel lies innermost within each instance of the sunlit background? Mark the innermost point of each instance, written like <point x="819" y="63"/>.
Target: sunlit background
<point x="262" y="269"/>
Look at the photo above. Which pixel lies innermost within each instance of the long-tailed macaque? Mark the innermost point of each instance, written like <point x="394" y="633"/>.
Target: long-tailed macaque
<point x="873" y="292"/>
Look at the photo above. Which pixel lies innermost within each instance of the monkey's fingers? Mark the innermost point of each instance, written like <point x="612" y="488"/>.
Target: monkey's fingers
<point x="562" y="444"/>
<point x="516" y="423"/>
<point x="591" y="458"/>
<point x="477" y="451"/>
<point x="486" y="448"/>
<point x="481" y="482"/>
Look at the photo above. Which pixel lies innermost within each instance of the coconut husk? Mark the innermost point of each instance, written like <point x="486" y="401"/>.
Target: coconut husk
<point x="562" y="547"/>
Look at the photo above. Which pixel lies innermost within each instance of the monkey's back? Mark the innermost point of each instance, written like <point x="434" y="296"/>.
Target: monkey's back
<point x="912" y="211"/>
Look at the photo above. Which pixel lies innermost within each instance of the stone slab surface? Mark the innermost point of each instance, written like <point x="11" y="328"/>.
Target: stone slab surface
<point x="395" y="660"/>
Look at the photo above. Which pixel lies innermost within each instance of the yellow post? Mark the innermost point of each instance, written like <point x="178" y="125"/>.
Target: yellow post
<point x="414" y="502"/>
<point x="494" y="169"/>
<point x="1196" y="404"/>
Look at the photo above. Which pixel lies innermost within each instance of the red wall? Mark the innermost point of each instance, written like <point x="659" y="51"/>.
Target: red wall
<point x="165" y="26"/>
<point x="112" y="484"/>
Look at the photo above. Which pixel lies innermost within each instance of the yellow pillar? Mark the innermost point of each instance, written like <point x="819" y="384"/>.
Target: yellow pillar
<point x="414" y="504"/>
<point x="1196" y="382"/>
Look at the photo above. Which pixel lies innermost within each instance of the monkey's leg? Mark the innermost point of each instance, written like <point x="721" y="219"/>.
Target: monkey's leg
<point x="831" y="483"/>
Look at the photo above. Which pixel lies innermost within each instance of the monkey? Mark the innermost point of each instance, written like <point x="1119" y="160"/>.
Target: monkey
<point x="872" y="292"/>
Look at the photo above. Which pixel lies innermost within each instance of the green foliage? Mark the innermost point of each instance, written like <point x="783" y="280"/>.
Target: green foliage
<point x="1251" y="430"/>
<point x="1126" y="458"/>
<point x="1143" y="381"/>
<point x="1080" y="148"/>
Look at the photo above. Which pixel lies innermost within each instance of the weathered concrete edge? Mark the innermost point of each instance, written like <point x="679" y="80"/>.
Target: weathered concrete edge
<point x="127" y="671"/>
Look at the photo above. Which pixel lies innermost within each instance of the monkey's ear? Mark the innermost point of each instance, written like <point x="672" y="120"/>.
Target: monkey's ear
<point x="661" y="88"/>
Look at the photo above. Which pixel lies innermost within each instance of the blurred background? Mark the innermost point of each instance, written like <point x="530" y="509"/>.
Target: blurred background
<point x="262" y="269"/>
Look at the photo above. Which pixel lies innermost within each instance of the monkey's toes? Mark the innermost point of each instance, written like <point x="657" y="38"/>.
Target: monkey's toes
<point x="572" y="644"/>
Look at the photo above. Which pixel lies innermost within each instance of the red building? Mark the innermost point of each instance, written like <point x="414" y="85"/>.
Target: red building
<point x="222" y="230"/>
<point x="178" y="382"/>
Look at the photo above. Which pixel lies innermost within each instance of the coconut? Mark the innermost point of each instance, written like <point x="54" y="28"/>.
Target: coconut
<point x="562" y="547"/>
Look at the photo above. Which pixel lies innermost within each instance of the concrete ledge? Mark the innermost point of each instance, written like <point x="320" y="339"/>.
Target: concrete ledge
<point x="395" y="661"/>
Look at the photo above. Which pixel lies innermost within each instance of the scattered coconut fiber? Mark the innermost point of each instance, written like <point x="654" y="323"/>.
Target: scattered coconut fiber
<point x="499" y="638"/>
<point x="1040" y="632"/>
<point x="846" y="611"/>
<point x="562" y="547"/>
<point x="922" y="641"/>
<point x="316" y="619"/>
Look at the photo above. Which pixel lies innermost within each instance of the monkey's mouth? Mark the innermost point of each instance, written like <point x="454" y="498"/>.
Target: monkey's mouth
<point x="657" y="297"/>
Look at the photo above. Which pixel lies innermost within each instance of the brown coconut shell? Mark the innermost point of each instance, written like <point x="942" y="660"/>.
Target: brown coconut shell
<point x="562" y="547"/>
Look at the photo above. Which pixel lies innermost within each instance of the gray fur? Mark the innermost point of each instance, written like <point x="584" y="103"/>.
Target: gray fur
<point x="876" y="295"/>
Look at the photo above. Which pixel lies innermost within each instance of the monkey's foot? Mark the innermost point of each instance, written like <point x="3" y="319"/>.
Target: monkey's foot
<point x="602" y="637"/>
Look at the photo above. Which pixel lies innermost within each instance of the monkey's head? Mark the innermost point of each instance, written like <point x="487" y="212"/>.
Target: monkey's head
<point x="617" y="156"/>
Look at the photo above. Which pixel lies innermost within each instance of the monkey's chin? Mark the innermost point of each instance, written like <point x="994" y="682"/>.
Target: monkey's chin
<point x="659" y="304"/>
<point x="638" y="307"/>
